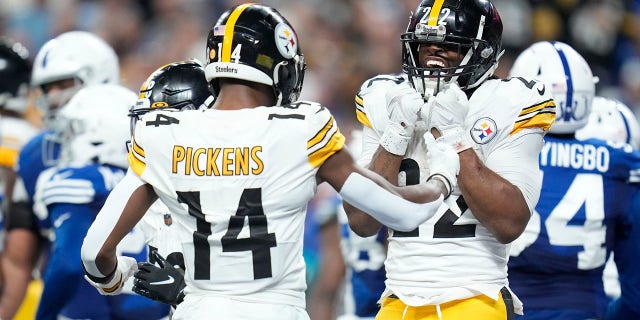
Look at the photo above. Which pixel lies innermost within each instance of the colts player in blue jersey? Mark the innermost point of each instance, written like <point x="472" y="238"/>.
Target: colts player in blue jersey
<point x="615" y="122"/>
<point x="94" y="130"/>
<point x="557" y="264"/>
<point x="62" y="66"/>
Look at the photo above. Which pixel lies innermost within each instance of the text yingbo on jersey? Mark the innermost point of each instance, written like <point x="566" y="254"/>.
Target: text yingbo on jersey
<point x="575" y="155"/>
<point x="237" y="161"/>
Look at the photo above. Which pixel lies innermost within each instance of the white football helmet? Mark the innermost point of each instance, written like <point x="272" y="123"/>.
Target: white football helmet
<point x="76" y="55"/>
<point x="566" y="73"/>
<point x="96" y="126"/>
<point x="611" y="120"/>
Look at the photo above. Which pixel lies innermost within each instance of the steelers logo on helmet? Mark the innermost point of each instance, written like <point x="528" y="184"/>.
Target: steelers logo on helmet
<point x="286" y="41"/>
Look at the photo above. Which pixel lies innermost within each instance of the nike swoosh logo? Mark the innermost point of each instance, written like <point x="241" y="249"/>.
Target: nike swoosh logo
<point x="541" y="92"/>
<point x="168" y="281"/>
<point x="62" y="218"/>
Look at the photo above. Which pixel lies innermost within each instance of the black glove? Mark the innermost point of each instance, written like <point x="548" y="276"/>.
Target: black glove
<point x="164" y="283"/>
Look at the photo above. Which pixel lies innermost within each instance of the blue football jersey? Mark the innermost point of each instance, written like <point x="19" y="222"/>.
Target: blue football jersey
<point x="73" y="197"/>
<point x="558" y="262"/>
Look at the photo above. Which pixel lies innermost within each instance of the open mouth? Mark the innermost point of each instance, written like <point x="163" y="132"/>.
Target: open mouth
<point x="434" y="62"/>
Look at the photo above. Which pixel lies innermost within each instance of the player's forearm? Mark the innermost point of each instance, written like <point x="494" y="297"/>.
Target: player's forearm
<point x="360" y="222"/>
<point x="124" y="207"/>
<point x="494" y="201"/>
<point x="18" y="261"/>
<point x="14" y="291"/>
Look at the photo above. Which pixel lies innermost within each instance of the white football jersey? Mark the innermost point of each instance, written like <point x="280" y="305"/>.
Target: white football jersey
<point x="237" y="183"/>
<point x="450" y="256"/>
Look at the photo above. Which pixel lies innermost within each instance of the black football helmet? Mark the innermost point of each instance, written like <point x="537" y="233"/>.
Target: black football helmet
<point x="473" y="27"/>
<point x="255" y="43"/>
<point x="15" y="74"/>
<point x="178" y="86"/>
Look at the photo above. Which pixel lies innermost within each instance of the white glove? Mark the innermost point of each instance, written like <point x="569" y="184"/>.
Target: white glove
<point x="125" y="268"/>
<point x="447" y="114"/>
<point x="403" y="105"/>
<point x="444" y="163"/>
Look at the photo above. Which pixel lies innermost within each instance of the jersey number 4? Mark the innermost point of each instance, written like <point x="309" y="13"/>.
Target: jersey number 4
<point x="585" y="194"/>
<point x="259" y="242"/>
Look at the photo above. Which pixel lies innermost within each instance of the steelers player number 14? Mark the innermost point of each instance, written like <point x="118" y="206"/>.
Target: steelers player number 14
<point x="259" y="242"/>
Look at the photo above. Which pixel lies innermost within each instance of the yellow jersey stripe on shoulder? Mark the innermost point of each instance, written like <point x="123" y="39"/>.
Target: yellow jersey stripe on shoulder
<point x="136" y="158"/>
<point x="334" y="144"/>
<point x="137" y="149"/>
<point x="135" y="163"/>
<point x="541" y="115"/>
<point x="360" y="114"/>
<point x="318" y="137"/>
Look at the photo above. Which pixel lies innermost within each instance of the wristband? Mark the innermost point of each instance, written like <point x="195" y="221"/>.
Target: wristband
<point x="445" y="181"/>
<point x="394" y="141"/>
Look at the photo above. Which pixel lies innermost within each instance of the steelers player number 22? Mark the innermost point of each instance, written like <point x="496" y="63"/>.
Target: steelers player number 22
<point x="445" y="226"/>
<point x="259" y="242"/>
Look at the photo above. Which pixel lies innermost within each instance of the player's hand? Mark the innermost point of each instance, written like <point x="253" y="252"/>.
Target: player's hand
<point x="403" y="104"/>
<point x="447" y="114"/>
<point x="163" y="283"/>
<point x="125" y="268"/>
<point x="444" y="163"/>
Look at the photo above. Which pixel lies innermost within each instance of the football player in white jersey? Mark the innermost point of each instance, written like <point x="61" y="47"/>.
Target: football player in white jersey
<point x="237" y="179"/>
<point x="454" y="266"/>
<point x="586" y="208"/>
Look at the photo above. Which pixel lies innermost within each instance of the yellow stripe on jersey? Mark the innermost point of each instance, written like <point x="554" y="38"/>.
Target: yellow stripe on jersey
<point x="321" y="134"/>
<point x="137" y="149"/>
<point x="225" y="56"/>
<point x="541" y="116"/>
<point x="332" y="141"/>
<point x="136" y="158"/>
<point x="8" y="157"/>
<point x="335" y="144"/>
<point x="435" y="13"/>
<point x="360" y="114"/>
